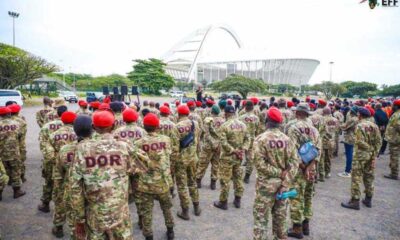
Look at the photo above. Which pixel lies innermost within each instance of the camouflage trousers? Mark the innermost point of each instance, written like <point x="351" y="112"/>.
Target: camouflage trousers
<point x="230" y="172"/>
<point x="362" y="170"/>
<point x="185" y="174"/>
<point x="13" y="169"/>
<point x="324" y="163"/>
<point x="3" y="176"/>
<point x="208" y="155"/>
<point x="47" y="173"/>
<point x="265" y="204"/>
<point x="22" y="149"/>
<point x="146" y="210"/>
<point x="250" y="159"/>
<point x="121" y="232"/>
<point x="394" y="151"/>
<point x="336" y="148"/>
<point x="59" y="203"/>
<point x="301" y="205"/>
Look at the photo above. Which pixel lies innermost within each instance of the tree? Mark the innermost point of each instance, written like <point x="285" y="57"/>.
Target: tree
<point x="358" y="88"/>
<point x="329" y="89"/>
<point x="240" y="84"/>
<point x="150" y="75"/>
<point x="18" y="67"/>
<point x="393" y="91"/>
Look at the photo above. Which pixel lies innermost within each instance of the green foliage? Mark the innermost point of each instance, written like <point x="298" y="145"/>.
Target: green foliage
<point x="282" y="88"/>
<point x="150" y="76"/>
<point x="240" y="84"/>
<point x="18" y="67"/>
<point x="329" y="89"/>
<point x="358" y="88"/>
<point x="184" y="86"/>
<point x="391" y="91"/>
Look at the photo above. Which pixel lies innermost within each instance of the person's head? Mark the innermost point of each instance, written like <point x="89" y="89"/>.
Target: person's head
<point x="274" y="118"/>
<point x="5" y="112"/>
<point x="145" y="111"/>
<point x="8" y="103"/>
<point x="145" y="103"/>
<point x="337" y="107"/>
<point x="130" y="115"/>
<point x="104" y="107"/>
<point x="272" y="99"/>
<point x="68" y="117"/>
<point x="209" y="103"/>
<point x="58" y="103"/>
<point x="152" y="104"/>
<point x="396" y="105"/>
<point x="263" y="106"/>
<point x="363" y="113"/>
<point x="282" y="103"/>
<point x="354" y="110"/>
<point x="103" y="121"/>
<point x="177" y="103"/>
<point x="83" y="127"/>
<point x="302" y="110"/>
<point x="151" y="122"/>
<point x="326" y="111"/>
<point x="61" y="110"/>
<point x="249" y="106"/>
<point x="370" y="109"/>
<point x="192" y="105"/>
<point x="157" y="105"/>
<point x="83" y="104"/>
<point x="222" y="104"/>
<point x="164" y="111"/>
<point x="183" y="111"/>
<point x="290" y="104"/>
<point x="14" y="108"/>
<point x="229" y="111"/>
<point x="47" y="101"/>
<point x="215" y="110"/>
<point x="199" y="104"/>
<point x="116" y="107"/>
<point x="321" y="103"/>
<point x="95" y="105"/>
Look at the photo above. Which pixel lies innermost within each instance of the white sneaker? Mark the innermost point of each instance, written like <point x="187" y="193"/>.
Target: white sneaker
<point x="344" y="175"/>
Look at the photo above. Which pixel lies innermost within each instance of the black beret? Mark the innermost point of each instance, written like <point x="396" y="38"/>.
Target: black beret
<point x="61" y="110"/>
<point x="116" y="106"/>
<point x="229" y="109"/>
<point x="364" y="112"/>
<point x="83" y="126"/>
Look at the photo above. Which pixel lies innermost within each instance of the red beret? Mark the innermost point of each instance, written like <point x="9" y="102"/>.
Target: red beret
<point x="244" y="102"/>
<point x="104" y="106"/>
<point x="210" y="102"/>
<point x="166" y="104"/>
<point x="68" y="117"/>
<point x="164" y="109"/>
<point x="103" y="119"/>
<point x="14" y="108"/>
<point x="396" y="102"/>
<point x="82" y="103"/>
<point x="151" y="120"/>
<point x="95" y="105"/>
<point x="308" y="99"/>
<point x="312" y="105"/>
<point x="290" y="104"/>
<point x="190" y="103"/>
<point x="4" y="111"/>
<point x="177" y="103"/>
<point x="130" y="115"/>
<point x="107" y="100"/>
<point x="229" y="102"/>
<point x="198" y="104"/>
<point x="254" y="100"/>
<point x="322" y="102"/>
<point x="275" y="115"/>
<point x="370" y="109"/>
<point x="183" y="110"/>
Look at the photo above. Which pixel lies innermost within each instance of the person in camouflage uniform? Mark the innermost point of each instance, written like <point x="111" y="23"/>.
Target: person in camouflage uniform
<point x="117" y="107"/>
<point x="156" y="182"/>
<point x="153" y="109"/>
<point x="10" y="133"/>
<point x="339" y="116"/>
<point x="211" y="149"/>
<point x="235" y="141"/>
<point x="392" y="136"/>
<point x="63" y="136"/>
<point x="99" y="183"/>
<point x="302" y="131"/>
<point x="83" y="108"/>
<point x="253" y="124"/>
<point x="3" y="179"/>
<point x="195" y="116"/>
<point x="328" y="133"/>
<point x="276" y="161"/>
<point x="48" y="158"/>
<point x="321" y="105"/>
<point x="368" y="141"/>
<point x="200" y="110"/>
<point x="168" y="128"/>
<point x="41" y="114"/>
<point x="287" y="114"/>
<point x="52" y="115"/>
<point x="185" y="168"/>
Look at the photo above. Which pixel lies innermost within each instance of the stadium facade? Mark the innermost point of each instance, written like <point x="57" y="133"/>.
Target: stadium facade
<point x="184" y="63"/>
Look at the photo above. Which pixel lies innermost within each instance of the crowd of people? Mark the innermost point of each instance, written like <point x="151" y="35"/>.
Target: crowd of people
<point x="105" y="156"/>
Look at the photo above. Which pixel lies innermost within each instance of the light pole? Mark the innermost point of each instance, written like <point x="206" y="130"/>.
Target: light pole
<point x="330" y="72"/>
<point x="14" y="15"/>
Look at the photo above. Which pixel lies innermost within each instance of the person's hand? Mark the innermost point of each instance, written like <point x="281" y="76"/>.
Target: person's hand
<point x="281" y="190"/>
<point x="284" y="174"/>
<point x="373" y="163"/>
<point x="80" y="231"/>
<point x="310" y="172"/>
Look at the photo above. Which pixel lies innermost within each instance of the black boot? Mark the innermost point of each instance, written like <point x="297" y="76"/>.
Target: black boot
<point x="246" y="178"/>
<point x="352" y="204"/>
<point x="184" y="214"/>
<point x="140" y="222"/>
<point x="23" y="178"/>
<point x="44" y="207"/>
<point x="18" y="192"/>
<point x="171" y="191"/>
<point x="197" y="210"/>
<point x="390" y="176"/>
<point x="1" y="195"/>
<point x="367" y="201"/>
<point x="296" y="231"/>
<point x="57" y="231"/>
<point x="306" y="227"/>
<point x="198" y="183"/>
<point x="170" y="233"/>
<point x="236" y="202"/>
<point x="221" y="205"/>
<point x="149" y="237"/>
<point x="213" y="184"/>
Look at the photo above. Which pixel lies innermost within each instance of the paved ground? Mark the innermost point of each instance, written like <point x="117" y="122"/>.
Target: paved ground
<point x="20" y="219"/>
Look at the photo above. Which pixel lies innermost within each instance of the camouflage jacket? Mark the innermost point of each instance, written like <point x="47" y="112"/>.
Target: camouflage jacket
<point x="83" y="111"/>
<point x="329" y="131"/>
<point x="349" y="127"/>
<point x="10" y="134"/>
<point x="41" y="114"/>
<point x="252" y="123"/>
<point x="367" y="138"/>
<point x="157" y="179"/>
<point x="63" y="136"/>
<point x="392" y="134"/>
<point x="212" y="126"/>
<point x="201" y="112"/>
<point x="129" y="133"/>
<point x="155" y="111"/>
<point x="287" y="115"/>
<point x="50" y="116"/>
<point x="274" y="153"/>
<point x="317" y="121"/>
<point x="44" y="137"/>
<point x="339" y="116"/>
<point x="99" y="181"/>
<point x="233" y="136"/>
<point x="168" y="128"/>
<point x="196" y="117"/>
<point x="22" y="124"/>
<point x="119" y="122"/>
<point x="189" y="154"/>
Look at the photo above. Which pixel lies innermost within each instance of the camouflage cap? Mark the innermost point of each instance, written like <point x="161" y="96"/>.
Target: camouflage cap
<point x="59" y="102"/>
<point x="303" y="107"/>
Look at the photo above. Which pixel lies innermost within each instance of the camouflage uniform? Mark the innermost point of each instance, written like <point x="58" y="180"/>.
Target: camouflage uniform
<point x="155" y="184"/>
<point x="3" y="177"/>
<point x="392" y="136"/>
<point x="368" y="141"/>
<point x="287" y="115"/>
<point x="155" y="111"/>
<point x="50" y="116"/>
<point x="62" y="137"/>
<point x="99" y="186"/>
<point x="185" y="168"/>
<point x="41" y="114"/>
<point x="301" y="207"/>
<point x="274" y="153"/>
<point x="83" y="111"/>
<point x="22" y="142"/>
<point x="328" y="132"/>
<point x="48" y="157"/>
<point x="10" y="133"/>
<point x="211" y="148"/>
<point x="119" y="122"/>
<point x="201" y="112"/>
<point x="252" y="123"/>
<point x="233" y="136"/>
<point x="349" y="127"/>
<point x="339" y="116"/>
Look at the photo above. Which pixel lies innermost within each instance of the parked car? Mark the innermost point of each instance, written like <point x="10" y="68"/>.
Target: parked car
<point x="230" y="96"/>
<point x="94" y="96"/>
<point x="176" y="94"/>
<point x="69" y="96"/>
<point x="182" y="100"/>
<point x="10" y="95"/>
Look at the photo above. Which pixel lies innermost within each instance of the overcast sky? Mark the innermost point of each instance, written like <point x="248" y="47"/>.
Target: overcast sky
<point x="102" y="37"/>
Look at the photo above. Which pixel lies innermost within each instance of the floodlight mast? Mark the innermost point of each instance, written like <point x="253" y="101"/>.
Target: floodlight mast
<point x="14" y="15"/>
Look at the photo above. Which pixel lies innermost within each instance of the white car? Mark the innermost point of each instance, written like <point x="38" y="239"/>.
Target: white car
<point x="69" y="96"/>
<point x="10" y="95"/>
<point x="176" y="94"/>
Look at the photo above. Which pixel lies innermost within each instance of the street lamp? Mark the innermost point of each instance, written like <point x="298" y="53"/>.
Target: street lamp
<point x="330" y="72"/>
<point x="14" y="15"/>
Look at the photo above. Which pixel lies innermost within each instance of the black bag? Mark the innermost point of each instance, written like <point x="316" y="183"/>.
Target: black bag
<point x="188" y="139"/>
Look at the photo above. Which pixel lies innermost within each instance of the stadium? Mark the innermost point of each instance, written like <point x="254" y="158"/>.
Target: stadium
<point x="186" y="63"/>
